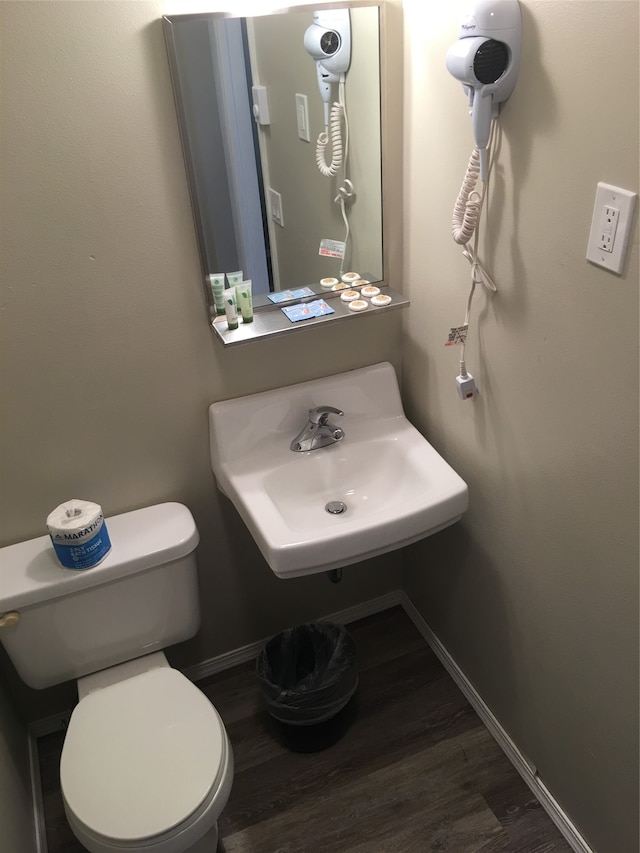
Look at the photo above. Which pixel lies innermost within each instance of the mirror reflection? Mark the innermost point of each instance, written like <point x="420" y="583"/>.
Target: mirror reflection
<point x="281" y="129"/>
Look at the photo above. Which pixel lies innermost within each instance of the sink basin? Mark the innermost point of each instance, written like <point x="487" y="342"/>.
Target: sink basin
<point x="390" y="486"/>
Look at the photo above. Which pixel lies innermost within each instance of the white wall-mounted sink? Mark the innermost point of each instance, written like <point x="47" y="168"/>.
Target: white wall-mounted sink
<point x="396" y="487"/>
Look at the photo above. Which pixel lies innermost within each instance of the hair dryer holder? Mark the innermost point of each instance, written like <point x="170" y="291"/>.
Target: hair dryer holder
<point x="328" y="42"/>
<point x="486" y="60"/>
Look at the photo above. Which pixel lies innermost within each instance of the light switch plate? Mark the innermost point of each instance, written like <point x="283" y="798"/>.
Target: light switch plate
<point x="302" y="117"/>
<point x="611" y="227"/>
<point x="275" y="207"/>
<point x="260" y="104"/>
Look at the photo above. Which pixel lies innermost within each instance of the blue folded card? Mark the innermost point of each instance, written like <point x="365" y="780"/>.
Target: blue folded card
<point x="288" y="295"/>
<point x="307" y="310"/>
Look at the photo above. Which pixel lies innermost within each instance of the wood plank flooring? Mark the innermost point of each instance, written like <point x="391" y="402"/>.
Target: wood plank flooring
<point x="415" y="769"/>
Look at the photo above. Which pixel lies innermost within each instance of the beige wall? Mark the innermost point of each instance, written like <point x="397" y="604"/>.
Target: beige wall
<point x="108" y="363"/>
<point x="535" y="593"/>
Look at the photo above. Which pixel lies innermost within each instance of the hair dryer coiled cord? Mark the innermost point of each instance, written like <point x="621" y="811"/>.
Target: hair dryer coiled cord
<point x="466" y="219"/>
<point x="465" y="228"/>
<point x="337" y="152"/>
<point x="466" y="211"/>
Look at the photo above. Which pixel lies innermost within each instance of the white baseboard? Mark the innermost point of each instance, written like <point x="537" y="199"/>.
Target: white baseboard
<point x="244" y="654"/>
<point x="40" y="835"/>
<point x="528" y="772"/>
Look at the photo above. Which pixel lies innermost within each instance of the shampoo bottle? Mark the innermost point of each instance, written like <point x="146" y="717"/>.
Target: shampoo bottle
<point x="231" y="307"/>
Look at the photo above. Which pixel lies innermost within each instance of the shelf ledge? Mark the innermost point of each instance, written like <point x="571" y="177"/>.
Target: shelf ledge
<point x="271" y="322"/>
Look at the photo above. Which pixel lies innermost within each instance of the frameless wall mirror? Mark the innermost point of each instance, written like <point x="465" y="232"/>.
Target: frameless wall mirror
<point x="282" y="125"/>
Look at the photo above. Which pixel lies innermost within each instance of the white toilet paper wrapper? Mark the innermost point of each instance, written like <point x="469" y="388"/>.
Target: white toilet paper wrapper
<point x="79" y="534"/>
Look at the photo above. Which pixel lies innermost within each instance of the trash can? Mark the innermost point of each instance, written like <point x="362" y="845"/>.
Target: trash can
<point x="307" y="676"/>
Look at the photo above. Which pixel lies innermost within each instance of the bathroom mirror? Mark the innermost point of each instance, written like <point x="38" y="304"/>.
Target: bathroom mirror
<point x="250" y="111"/>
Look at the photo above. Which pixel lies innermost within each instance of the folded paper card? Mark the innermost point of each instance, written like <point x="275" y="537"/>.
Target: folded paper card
<point x="307" y="310"/>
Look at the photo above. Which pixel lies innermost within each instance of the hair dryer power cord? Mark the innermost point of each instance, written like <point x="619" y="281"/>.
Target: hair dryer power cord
<point x="335" y="133"/>
<point x="339" y="155"/>
<point x="465" y="226"/>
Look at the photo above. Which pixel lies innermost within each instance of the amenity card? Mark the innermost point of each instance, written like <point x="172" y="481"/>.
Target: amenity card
<point x="307" y="310"/>
<point x="288" y="295"/>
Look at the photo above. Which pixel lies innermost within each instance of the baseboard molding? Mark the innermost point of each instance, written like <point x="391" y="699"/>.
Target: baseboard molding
<point x="49" y="725"/>
<point x="39" y="831"/>
<point x="250" y="652"/>
<point x="528" y="772"/>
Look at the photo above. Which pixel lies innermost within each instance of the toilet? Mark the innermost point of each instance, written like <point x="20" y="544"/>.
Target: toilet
<point x="146" y="763"/>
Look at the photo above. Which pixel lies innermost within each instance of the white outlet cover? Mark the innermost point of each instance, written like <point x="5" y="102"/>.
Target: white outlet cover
<point x="623" y="201"/>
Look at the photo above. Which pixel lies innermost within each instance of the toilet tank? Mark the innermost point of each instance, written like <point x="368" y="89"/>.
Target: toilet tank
<point x="141" y="598"/>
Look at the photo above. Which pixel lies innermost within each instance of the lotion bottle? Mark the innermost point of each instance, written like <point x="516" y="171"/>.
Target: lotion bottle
<point x="231" y="308"/>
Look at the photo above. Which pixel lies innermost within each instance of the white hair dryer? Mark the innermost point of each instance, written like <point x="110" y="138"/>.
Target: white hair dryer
<point x="486" y="60"/>
<point x="328" y="41"/>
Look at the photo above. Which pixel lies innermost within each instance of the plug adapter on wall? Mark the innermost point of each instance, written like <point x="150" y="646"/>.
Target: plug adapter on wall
<point x="611" y="227"/>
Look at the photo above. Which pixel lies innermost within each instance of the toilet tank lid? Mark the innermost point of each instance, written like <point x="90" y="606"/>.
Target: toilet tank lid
<point x="142" y="539"/>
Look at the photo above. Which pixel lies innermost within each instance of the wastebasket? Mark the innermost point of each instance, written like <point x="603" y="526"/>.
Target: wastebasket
<point x="307" y="676"/>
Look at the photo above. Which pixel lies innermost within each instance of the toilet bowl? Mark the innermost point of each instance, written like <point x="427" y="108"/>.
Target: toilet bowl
<point x="146" y="763"/>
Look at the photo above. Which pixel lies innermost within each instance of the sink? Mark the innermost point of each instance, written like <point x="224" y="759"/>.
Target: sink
<point x="385" y="484"/>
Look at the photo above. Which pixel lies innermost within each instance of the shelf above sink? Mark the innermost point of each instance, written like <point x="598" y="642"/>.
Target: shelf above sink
<point x="271" y="322"/>
<point x="396" y="488"/>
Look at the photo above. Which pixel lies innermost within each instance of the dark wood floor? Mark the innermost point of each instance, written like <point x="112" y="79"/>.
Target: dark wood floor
<point x="415" y="769"/>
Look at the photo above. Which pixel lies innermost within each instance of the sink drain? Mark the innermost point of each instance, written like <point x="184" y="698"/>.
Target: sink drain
<point x="336" y="507"/>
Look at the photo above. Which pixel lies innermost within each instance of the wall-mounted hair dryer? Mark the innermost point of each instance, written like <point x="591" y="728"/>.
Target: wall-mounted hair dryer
<point x="486" y="60"/>
<point x="328" y="41"/>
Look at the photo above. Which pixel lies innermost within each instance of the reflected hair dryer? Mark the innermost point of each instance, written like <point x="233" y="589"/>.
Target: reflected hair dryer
<point x="486" y="60"/>
<point x="328" y="41"/>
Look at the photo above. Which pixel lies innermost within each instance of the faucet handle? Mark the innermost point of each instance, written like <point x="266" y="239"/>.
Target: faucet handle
<point x="320" y="414"/>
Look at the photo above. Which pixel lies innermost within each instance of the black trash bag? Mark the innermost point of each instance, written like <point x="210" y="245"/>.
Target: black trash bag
<point x="308" y="673"/>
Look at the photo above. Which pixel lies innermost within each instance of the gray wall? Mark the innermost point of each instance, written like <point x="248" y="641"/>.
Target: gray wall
<point x="535" y="593"/>
<point x="16" y="811"/>
<point x="109" y="366"/>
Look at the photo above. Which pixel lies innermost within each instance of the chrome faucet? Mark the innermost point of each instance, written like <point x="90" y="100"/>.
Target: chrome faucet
<point x="318" y="432"/>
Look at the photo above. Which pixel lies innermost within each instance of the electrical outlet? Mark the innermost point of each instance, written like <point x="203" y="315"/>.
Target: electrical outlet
<point x="611" y="227"/>
<point x="608" y="226"/>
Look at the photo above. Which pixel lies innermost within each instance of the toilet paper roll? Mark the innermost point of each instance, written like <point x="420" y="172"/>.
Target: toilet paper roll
<point x="79" y="534"/>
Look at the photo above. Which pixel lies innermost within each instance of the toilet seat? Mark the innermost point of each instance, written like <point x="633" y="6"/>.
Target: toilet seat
<point x="142" y="758"/>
